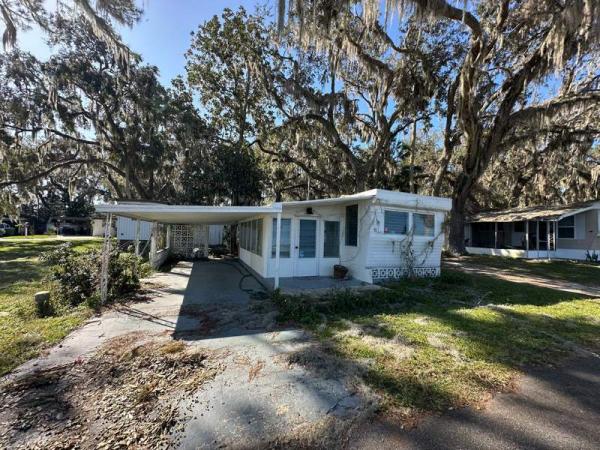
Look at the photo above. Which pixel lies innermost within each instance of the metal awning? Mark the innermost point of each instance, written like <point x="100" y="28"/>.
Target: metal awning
<point x="556" y="212"/>
<point x="187" y="214"/>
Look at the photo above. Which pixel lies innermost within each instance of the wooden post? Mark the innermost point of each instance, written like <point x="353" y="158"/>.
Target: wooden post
<point x="277" y="250"/>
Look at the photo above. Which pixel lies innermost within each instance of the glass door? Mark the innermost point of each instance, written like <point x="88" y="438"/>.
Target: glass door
<point x="306" y="248"/>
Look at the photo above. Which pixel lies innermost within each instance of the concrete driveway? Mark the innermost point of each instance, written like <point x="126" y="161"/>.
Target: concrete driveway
<point x="261" y="397"/>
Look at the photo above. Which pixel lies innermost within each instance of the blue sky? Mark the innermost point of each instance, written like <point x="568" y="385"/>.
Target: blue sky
<point x="163" y="34"/>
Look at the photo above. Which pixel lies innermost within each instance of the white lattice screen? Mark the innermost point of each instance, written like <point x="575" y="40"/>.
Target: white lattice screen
<point x="186" y="238"/>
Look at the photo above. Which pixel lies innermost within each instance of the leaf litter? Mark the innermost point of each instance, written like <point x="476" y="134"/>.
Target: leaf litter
<point x="124" y="396"/>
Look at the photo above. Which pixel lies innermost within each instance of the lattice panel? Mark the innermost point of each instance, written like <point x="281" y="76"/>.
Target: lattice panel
<point x="389" y="273"/>
<point x="186" y="238"/>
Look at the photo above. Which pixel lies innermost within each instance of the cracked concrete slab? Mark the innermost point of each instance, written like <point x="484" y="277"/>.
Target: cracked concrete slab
<point x="256" y="400"/>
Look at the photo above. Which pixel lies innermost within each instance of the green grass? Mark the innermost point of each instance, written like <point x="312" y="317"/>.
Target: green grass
<point x="23" y="335"/>
<point x="569" y="271"/>
<point x="430" y="345"/>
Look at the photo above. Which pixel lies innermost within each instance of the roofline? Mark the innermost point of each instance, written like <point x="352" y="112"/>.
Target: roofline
<point x="383" y="195"/>
<point x="594" y="204"/>
<point x="157" y="208"/>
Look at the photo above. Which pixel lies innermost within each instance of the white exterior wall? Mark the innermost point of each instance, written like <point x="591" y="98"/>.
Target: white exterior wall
<point x="126" y="229"/>
<point x="324" y="266"/>
<point x="385" y="250"/>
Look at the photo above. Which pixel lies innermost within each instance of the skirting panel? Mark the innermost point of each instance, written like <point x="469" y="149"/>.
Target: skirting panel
<point x="390" y="273"/>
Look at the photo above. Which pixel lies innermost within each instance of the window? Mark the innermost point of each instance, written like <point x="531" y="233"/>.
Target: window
<point x="259" y="237"/>
<point x="395" y="222"/>
<point x="250" y="236"/>
<point x="352" y="225"/>
<point x="566" y="228"/>
<point x="252" y="246"/>
<point x="284" y="239"/>
<point x="424" y="224"/>
<point x="519" y="227"/>
<point x="331" y="241"/>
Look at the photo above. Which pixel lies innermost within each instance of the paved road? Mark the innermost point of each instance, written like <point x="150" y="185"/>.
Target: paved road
<point x="554" y="408"/>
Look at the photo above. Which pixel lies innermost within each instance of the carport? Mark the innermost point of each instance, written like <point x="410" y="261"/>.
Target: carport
<point x="170" y="215"/>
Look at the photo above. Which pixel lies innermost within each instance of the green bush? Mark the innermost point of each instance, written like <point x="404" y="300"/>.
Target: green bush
<point x="76" y="276"/>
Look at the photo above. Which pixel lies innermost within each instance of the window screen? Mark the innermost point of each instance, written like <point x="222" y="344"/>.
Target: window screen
<point x="259" y="223"/>
<point x="352" y="225"/>
<point x="331" y="241"/>
<point x="284" y="240"/>
<point x="395" y="222"/>
<point x="566" y="228"/>
<point x="424" y="224"/>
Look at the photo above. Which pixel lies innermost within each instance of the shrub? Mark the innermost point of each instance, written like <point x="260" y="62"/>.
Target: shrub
<point x="76" y="276"/>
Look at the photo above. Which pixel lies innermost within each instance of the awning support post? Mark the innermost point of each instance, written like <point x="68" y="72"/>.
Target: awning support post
<point x="495" y="234"/>
<point x="137" y="237"/>
<point x="537" y="237"/>
<point x="105" y="260"/>
<point x="548" y="237"/>
<point x="277" y="249"/>
<point x="153" y="243"/>
<point x="527" y="239"/>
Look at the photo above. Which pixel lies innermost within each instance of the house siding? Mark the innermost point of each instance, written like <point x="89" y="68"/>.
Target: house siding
<point x="375" y="252"/>
<point x="586" y="233"/>
<point x="385" y="250"/>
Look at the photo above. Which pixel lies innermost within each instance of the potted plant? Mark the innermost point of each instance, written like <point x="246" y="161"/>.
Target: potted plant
<point x="339" y="271"/>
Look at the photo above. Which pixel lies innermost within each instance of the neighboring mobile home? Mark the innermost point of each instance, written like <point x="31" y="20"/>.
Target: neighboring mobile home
<point x="376" y="234"/>
<point x="564" y="232"/>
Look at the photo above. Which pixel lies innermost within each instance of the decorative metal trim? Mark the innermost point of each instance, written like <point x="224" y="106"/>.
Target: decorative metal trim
<point x="390" y="273"/>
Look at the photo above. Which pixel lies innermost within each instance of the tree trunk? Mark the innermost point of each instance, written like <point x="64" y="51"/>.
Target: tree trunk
<point x="456" y="228"/>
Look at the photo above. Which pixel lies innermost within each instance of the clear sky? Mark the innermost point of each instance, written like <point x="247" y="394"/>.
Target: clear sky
<point x="163" y="34"/>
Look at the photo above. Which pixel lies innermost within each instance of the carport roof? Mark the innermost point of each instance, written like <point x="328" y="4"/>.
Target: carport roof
<point x="187" y="214"/>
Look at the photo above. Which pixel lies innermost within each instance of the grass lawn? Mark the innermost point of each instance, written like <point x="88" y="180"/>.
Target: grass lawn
<point x="573" y="271"/>
<point x="431" y="345"/>
<point x="23" y="335"/>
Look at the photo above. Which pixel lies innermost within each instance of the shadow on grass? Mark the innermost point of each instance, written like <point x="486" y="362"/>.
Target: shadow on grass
<point x="464" y="347"/>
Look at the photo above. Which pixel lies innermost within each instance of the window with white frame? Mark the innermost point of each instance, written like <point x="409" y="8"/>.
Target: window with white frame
<point x="250" y="236"/>
<point x="566" y="228"/>
<point x="285" y="239"/>
<point x="331" y="239"/>
<point x="395" y="222"/>
<point x="423" y="224"/>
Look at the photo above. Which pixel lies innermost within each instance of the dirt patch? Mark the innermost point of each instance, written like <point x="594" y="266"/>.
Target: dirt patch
<point x="125" y="395"/>
<point x="439" y="341"/>
<point x="255" y="370"/>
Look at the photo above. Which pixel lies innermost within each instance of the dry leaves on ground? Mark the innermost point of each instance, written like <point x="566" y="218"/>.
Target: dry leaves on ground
<point x="123" y="396"/>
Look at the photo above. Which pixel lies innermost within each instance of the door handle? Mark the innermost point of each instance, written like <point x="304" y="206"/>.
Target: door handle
<point x="296" y="247"/>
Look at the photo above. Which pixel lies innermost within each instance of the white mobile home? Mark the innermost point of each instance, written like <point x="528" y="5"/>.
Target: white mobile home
<point x="375" y="234"/>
